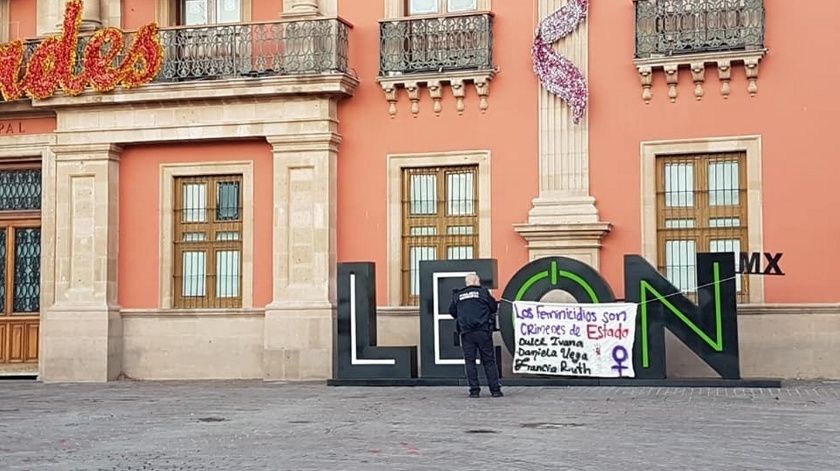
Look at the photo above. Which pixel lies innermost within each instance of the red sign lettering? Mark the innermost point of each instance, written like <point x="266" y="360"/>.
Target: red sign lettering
<point x="52" y="64"/>
<point x="11" y="127"/>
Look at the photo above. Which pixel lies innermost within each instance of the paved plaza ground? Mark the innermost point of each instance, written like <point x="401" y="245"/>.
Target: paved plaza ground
<point x="308" y="426"/>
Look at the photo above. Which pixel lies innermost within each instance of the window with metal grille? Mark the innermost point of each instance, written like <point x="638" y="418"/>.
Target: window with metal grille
<point x="701" y="203"/>
<point x="20" y="188"/>
<point x="208" y="12"/>
<point x="208" y="242"/>
<point x="440" y="220"/>
<point x="20" y="261"/>
<point x="20" y="238"/>
<point x="431" y="7"/>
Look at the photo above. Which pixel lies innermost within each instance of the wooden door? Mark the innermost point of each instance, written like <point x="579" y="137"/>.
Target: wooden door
<point x="20" y="267"/>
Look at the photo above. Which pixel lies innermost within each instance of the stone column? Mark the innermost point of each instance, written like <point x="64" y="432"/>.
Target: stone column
<point x="91" y="15"/>
<point x="563" y="219"/>
<point x="305" y="49"/>
<point x="4" y="22"/>
<point x="299" y="321"/>
<point x="300" y="8"/>
<point x="82" y="328"/>
<point x="111" y="13"/>
<point x="51" y="16"/>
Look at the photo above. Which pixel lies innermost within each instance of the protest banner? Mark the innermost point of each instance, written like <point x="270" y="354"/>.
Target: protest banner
<point x="591" y="340"/>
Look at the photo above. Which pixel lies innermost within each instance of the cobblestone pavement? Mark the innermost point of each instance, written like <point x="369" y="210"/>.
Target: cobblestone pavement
<point x="277" y="426"/>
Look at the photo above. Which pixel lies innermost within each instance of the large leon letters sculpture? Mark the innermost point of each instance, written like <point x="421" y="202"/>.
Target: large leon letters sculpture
<point x="709" y="328"/>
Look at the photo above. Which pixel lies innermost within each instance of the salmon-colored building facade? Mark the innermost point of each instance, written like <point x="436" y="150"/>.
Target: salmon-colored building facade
<point x="190" y="228"/>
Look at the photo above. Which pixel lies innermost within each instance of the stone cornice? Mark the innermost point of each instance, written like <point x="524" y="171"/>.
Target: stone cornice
<point x="339" y="85"/>
<point x="22" y="109"/>
<point x="87" y="152"/>
<point x="432" y="76"/>
<point x="397" y="311"/>
<point x="27" y="145"/>
<point x="192" y="313"/>
<point x="305" y="142"/>
<point x="74" y="308"/>
<point x="304" y="308"/>
<point x="584" y="234"/>
<point x="705" y="57"/>
<point x="789" y="309"/>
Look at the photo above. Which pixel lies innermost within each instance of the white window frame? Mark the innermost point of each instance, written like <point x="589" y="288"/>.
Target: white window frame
<point x="751" y="146"/>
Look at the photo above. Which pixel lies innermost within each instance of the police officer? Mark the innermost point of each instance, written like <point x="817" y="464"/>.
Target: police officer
<point x="474" y="310"/>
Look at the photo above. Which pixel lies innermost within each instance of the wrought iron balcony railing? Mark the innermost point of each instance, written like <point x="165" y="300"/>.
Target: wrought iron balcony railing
<point x="254" y="50"/>
<point x="216" y="52"/>
<point x="436" y="44"/>
<point x="673" y="27"/>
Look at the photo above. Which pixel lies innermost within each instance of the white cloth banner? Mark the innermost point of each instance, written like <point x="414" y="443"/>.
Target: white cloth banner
<point x="594" y="340"/>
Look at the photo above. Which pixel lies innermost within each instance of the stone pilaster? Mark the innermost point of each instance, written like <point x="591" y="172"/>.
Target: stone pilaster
<point x="299" y="321"/>
<point x="563" y="219"/>
<point x="111" y="13"/>
<point x="91" y="15"/>
<point x="4" y="21"/>
<point x="301" y="8"/>
<point x="305" y="44"/>
<point x="50" y="14"/>
<point x="82" y="328"/>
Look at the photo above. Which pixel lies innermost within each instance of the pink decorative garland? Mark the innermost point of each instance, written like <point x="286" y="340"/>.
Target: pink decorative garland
<point x="558" y="74"/>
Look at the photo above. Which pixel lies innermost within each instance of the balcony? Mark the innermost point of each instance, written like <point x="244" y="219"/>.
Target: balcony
<point x="241" y="51"/>
<point x="254" y="50"/>
<point x="434" y="51"/>
<point x="436" y="44"/>
<point x="672" y="27"/>
<point x="693" y="33"/>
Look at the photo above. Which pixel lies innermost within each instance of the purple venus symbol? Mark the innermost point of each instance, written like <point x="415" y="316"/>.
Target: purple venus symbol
<point x="619" y="354"/>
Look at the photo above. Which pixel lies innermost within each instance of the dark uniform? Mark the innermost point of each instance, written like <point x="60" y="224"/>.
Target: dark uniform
<point x="474" y="310"/>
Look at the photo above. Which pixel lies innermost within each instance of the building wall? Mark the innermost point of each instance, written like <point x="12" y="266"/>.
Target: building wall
<point x="109" y="146"/>
<point x="140" y="194"/>
<point x="23" y="19"/>
<point x="508" y="130"/>
<point x="137" y="13"/>
<point x="159" y="343"/>
<point x="788" y="341"/>
<point x="791" y="119"/>
<point x="160" y="346"/>
<point x="266" y="10"/>
<point x="13" y="126"/>
<point x="89" y="341"/>
<point x="793" y="114"/>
